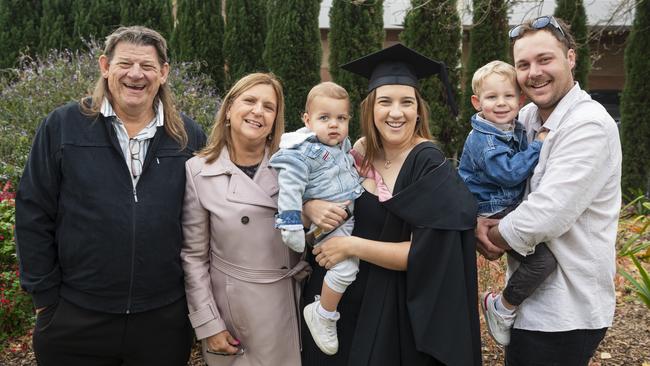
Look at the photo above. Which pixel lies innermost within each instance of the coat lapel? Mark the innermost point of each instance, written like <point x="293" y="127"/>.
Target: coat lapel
<point x="261" y="191"/>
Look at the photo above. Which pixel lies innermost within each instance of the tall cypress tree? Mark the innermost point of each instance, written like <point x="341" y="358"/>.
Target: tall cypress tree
<point x="356" y="29"/>
<point x="488" y="42"/>
<point x="244" y="35"/>
<point x="154" y="14"/>
<point x="635" y="126"/>
<point x="89" y="24"/>
<point x="19" y="29"/>
<point x="198" y="36"/>
<point x="57" y="26"/>
<point x="293" y="52"/>
<point x="573" y="12"/>
<point x="432" y="27"/>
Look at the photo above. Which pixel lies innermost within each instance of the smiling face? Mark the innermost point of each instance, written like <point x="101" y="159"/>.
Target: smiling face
<point x="252" y="115"/>
<point x="499" y="100"/>
<point x="134" y="75"/>
<point x="395" y="113"/>
<point x="328" y="118"/>
<point x="543" y="69"/>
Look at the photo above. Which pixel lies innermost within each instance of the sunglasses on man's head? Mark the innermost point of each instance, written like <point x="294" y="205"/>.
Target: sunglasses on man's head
<point x="539" y="23"/>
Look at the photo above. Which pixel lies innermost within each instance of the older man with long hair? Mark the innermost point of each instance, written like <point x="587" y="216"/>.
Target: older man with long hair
<point x="98" y="216"/>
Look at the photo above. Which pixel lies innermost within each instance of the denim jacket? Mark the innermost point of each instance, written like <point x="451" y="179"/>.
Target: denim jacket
<point x="495" y="164"/>
<point x="308" y="169"/>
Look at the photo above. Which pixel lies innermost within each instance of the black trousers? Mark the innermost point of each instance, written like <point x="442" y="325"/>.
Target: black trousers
<point x="66" y="334"/>
<point x="572" y="348"/>
<point x="532" y="271"/>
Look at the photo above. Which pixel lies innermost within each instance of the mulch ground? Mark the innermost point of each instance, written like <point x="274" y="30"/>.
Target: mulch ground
<point x="627" y="342"/>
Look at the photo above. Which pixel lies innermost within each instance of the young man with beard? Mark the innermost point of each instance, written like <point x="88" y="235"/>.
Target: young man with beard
<point x="573" y="203"/>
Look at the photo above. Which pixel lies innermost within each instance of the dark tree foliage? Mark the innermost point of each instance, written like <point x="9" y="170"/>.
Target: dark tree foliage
<point x="488" y="42"/>
<point x="57" y="26"/>
<point x="432" y="27"/>
<point x="573" y="12"/>
<point x="356" y="29"/>
<point x="244" y="35"/>
<point x="19" y="30"/>
<point x="635" y="105"/>
<point x="293" y="52"/>
<point x="88" y="24"/>
<point x="198" y="36"/>
<point x="154" y="14"/>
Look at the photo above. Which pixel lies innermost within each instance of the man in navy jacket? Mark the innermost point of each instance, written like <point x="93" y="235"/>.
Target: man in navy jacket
<point x="98" y="216"/>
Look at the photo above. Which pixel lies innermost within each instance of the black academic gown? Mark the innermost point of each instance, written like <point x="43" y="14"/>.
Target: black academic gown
<point x="427" y="315"/>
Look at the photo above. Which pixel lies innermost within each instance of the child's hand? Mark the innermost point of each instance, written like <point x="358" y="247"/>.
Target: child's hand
<point x="541" y="135"/>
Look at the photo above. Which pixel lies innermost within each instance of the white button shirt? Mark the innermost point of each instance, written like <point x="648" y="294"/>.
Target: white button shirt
<point x="573" y="205"/>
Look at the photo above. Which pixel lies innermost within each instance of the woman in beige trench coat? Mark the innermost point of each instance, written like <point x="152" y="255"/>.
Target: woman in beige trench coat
<point x="240" y="279"/>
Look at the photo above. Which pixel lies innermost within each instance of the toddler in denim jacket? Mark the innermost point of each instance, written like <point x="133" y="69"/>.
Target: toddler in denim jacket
<point x="314" y="162"/>
<point x="495" y="164"/>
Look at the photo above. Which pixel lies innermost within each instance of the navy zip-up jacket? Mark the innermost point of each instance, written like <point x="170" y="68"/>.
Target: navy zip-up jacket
<point x="82" y="234"/>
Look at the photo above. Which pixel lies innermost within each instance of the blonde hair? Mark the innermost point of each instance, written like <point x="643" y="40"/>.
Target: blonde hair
<point x="220" y="134"/>
<point x="371" y="134"/>
<point x="497" y="67"/>
<point x="140" y="36"/>
<point x="327" y="89"/>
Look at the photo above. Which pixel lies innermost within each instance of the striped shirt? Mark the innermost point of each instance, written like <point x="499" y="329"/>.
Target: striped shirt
<point x="138" y="143"/>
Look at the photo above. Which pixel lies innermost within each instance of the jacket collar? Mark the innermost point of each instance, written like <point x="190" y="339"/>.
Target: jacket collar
<point x="481" y="125"/>
<point x="261" y="192"/>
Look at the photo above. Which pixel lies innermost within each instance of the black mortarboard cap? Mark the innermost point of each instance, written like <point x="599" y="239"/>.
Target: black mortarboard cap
<point x="399" y="65"/>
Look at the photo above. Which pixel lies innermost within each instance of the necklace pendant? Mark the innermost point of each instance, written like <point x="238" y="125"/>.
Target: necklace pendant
<point x="386" y="164"/>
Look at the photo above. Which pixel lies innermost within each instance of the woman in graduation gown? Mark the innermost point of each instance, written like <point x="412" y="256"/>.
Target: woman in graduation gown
<point x="415" y="298"/>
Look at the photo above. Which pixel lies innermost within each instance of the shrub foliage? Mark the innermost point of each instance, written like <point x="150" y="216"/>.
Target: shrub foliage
<point x="356" y="29"/>
<point x="19" y="29"/>
<point x="432" y="27"/>
<point x="198" y="36"/>
<point x="635" y="126"/>
<point x="244" y="35"/>
<point x="293" y="52"/>
<point x="488" y="42"/>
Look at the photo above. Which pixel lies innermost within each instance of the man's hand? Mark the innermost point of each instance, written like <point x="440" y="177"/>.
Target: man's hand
<point x="484" y="244"/>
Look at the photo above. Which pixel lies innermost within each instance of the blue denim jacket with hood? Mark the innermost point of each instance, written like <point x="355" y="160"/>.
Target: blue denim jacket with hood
<point x="495" y="164"/>
<point x="309" y="169"/>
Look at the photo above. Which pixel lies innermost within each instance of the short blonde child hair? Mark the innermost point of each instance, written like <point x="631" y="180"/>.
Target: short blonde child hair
<point x="494" y="67"/>
<point x="327" y="89"/>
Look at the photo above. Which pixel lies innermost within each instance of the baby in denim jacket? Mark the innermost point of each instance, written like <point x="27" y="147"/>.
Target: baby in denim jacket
<point x="314" y="162"/>
<point x="495" y="164"/>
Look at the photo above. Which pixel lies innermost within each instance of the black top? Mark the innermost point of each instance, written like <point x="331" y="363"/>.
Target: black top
<point x="428" y="314"/>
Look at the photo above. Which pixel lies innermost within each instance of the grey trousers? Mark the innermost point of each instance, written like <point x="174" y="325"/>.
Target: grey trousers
<point x="532" y="271"/>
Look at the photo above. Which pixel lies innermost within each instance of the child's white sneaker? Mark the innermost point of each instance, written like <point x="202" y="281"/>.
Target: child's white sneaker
<point x="498" y="324"/>
<point x="322" y="330"/>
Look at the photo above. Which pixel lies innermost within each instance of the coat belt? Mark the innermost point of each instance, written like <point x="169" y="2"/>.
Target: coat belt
<point x="299" y="271"/>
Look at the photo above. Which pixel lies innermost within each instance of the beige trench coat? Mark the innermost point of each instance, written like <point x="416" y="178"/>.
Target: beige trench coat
<point x="239" y="275"/>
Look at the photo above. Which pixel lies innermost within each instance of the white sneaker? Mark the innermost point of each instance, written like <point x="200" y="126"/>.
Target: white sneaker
<point x="498" y="324"/>
<point x="322" y="330"/>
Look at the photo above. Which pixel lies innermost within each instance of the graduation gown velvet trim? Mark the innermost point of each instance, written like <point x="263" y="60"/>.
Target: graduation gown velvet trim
<point x="438" y="292"/>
